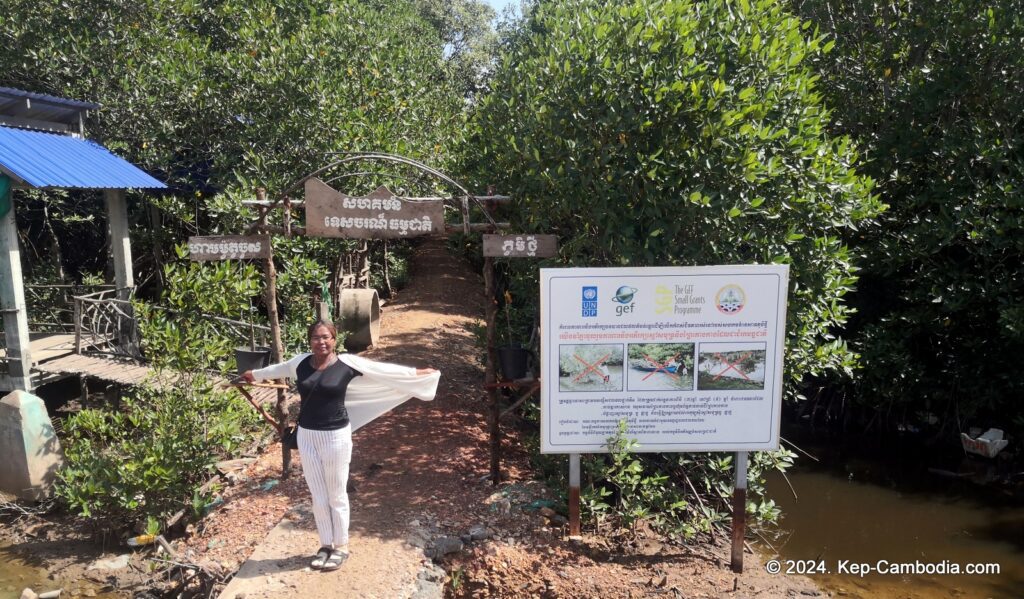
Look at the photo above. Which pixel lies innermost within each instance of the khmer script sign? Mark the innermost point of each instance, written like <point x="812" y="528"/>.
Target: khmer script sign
<point x="686" y="358"/>
<point x="379" y="215"/>
<point x="520" y="246"/>
<point x="228" y="247"/>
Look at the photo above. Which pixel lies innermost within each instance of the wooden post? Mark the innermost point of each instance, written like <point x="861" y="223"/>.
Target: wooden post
<point x="574" y="495"/>
<point x="12" y="302"/>
<point x="120" y="245"/>
<point x="490" y="376"/>
<point x="739" y="512"/>
<point x="276" y="346"/>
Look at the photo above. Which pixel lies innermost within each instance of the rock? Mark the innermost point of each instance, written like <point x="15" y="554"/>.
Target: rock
<point x="417" y="539"/>
<point x="503" y="506"/>
<point x="88" y="593"/>
<point x="548" y="512"/>
<point x="479" y="533"/>
<point x="445" y="545"/>
<point x="431" y="574"/>
<point x="114" y="563"/>
<point x="28" y="594"/>
<point x="429" y="583"/>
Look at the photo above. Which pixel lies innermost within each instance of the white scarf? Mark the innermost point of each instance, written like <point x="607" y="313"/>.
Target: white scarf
<point x="382" y="388"/>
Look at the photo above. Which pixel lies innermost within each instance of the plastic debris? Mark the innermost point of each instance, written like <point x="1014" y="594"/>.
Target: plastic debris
<point x="141" y="540"/>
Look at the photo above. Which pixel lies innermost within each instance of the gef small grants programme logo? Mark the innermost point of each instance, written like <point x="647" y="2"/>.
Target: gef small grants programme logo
<point x="589" y="302"/>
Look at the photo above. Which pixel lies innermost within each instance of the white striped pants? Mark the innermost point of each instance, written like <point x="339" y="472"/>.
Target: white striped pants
<point x="325" y="459"/>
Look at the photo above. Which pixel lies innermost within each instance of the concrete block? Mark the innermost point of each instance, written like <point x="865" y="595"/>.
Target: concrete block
<point x="30" y="447"/>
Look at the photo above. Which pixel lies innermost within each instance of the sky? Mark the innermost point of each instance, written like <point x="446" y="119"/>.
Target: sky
<point x="499" y="5"/>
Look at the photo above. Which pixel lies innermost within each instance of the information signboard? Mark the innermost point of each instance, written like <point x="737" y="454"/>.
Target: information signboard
<point x="520" y="246"/>
<point x="228" y="247"/>
<point x="380" y="215"/>
<point x="690" y="358"/>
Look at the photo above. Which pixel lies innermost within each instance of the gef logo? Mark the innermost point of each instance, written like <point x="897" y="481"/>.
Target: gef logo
<point x="589" y="302"/>
<point x="624" y="297"/>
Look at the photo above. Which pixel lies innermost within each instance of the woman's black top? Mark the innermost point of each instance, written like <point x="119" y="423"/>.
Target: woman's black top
<point x="323" y="394"/>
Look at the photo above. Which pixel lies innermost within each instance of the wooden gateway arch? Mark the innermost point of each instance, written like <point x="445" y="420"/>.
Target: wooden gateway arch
<point x="382" y="214"/>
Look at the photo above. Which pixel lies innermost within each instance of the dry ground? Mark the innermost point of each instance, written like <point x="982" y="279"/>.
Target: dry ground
<point x="420" y="473"/>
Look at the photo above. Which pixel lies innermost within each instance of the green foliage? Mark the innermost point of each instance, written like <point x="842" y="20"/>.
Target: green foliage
<point x="180" y="335"/>
<point x="218" y="98"/>
<point x="148" y="460"/>
<point x="680" y="133"/>
<point x="932" y="91"/>
<point x="466" y="30"/>
<point x="679" y="494"/>
<point x="398" y="256"/>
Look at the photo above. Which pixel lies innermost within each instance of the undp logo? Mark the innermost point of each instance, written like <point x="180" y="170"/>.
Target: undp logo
<point x="589" y="302"/>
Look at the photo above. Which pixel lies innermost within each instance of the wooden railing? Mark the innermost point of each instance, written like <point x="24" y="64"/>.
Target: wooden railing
<point x="106" y="324"/>
<point x="50" y="307"/>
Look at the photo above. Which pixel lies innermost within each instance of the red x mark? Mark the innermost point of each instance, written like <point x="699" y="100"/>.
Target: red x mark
<point x="660" y="367"/>
<point x="732" y="366"/>
<point x="592" y="367"/>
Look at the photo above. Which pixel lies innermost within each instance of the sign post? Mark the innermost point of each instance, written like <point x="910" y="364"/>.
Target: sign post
<point x="247" y="247"/>
<point x="689" y="358"/>
<point x="739" y="512"/>
<point x="504" y="246"/>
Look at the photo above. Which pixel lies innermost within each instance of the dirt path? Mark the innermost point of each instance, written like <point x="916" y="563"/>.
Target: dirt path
<point x="420" y="476"/>
<point x="421" y="489"/>
<point x="412" y="469"/>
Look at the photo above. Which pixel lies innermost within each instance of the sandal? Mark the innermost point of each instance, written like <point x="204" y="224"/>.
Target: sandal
<point x="336" y="559"/>
<point x="322" y="555"/>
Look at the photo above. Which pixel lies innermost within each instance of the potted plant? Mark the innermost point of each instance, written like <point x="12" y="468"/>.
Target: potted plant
<point x="512" y="358"/>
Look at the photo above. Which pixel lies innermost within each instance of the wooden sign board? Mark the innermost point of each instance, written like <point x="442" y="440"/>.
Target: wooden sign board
<point x="520" y="246"/>
<point x="380" y="215"/>
<point x="228" y="247"/>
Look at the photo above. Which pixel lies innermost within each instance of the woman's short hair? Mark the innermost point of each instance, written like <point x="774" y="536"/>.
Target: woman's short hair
<point x="322" y="323"/>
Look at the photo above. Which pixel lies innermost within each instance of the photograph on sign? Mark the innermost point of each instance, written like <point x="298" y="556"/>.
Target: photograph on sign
<point x="731" y="366"/>
<point x="690" y="358"/>
<point x="660" y="366"/>
<point x="589" y="368"/>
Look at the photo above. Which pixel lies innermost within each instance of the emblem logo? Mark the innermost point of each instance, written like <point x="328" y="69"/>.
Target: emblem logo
<point x="624" y="294"/>
<point x="624" y="297"/>
<point x="730" y="299"/>
<point x="589" y="302"/>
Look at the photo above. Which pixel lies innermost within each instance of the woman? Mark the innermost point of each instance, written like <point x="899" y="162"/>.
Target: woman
<point x="324" y="380"/>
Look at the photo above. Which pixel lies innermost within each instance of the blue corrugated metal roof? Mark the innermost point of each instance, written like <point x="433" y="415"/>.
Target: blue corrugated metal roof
<point x="20" y="93"/>
<point x="46" y="160"/>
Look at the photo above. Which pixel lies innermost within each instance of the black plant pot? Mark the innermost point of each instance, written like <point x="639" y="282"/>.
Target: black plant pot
<point x="514" y="362"/>
<point x="251" y="359"/>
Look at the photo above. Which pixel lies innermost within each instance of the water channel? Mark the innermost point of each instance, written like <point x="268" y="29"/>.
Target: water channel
<point x="15" y="575"/>
<point x="899" y="511"/>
